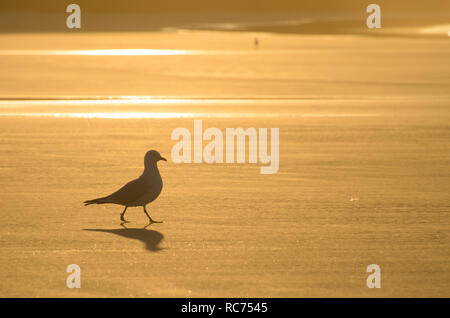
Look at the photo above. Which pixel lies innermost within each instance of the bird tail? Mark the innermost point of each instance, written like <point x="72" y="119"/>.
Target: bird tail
<point x="97" y="201"/>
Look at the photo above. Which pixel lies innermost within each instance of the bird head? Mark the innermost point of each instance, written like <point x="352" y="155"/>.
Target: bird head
<point x="153" y="156"/>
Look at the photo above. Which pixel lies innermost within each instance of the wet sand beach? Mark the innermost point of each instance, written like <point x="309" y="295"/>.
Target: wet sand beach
<point x="363" y="177"/>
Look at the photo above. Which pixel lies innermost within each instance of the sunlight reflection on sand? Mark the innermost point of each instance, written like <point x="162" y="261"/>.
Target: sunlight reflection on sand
<point x="110" y="52"/>
<point x="135" y="107"/>
<point x="130" y="115"/>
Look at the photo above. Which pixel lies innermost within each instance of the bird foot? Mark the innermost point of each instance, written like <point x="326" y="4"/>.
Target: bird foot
<point x="151" y="222"/>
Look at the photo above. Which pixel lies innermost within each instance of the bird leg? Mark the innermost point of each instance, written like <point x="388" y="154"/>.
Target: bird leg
<point x="151" y="220"/>
<point x="122" y="216"/>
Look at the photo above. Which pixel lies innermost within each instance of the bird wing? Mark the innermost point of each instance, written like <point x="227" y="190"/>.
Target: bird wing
<point x="130" y="192"/>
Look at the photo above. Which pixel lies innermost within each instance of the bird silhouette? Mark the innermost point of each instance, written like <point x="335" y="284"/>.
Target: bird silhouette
<point x="140" y="191"/>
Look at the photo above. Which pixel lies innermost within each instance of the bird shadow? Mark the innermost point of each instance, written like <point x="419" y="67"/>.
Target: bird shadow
<point x="149" y="237"/>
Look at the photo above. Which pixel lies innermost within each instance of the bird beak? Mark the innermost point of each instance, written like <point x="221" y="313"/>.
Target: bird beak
<point x="162" y="158"/>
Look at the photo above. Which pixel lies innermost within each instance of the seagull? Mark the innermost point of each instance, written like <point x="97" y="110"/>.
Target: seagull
<point x="140" y="191"/>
